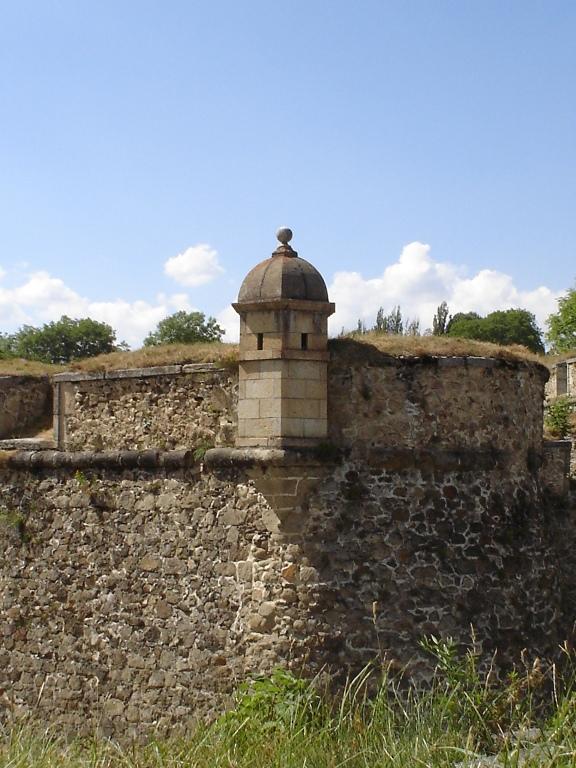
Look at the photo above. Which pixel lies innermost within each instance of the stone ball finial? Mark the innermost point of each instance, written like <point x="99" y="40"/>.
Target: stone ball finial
<point x="284" y="235"/>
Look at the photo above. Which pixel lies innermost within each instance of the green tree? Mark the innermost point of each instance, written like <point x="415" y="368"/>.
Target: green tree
<point x="395" y="321"/>
<point x="412" y="328"/>
<point x="440" y="320"/>
<point x="562" y="325"/>
<point x="392" y="323"/>
<point x="6" y="345"/>
<point x="559" y="416"/>
<point x="64" y="340"/>
<point x="184" y="328"/>
<point x="462" y="317"/>
<point x="510" y="326"/>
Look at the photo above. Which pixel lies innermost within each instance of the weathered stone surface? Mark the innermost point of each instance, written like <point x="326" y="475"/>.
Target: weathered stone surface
<point x="25" y="404"/>
<point x="556" y="467"/>
<point x="156" y="408"/>
<point x="136" y="591"/>
<point x="26" y="444"/>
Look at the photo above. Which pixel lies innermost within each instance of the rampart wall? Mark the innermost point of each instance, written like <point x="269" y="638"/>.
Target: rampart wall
<point x="25" y="404"/>
<point x="167" y="407"/>
<point x="137" y="587"/>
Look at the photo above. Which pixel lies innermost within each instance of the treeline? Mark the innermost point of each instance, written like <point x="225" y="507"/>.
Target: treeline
<point x="508" y="326"/>
<point x="66" y="339"/>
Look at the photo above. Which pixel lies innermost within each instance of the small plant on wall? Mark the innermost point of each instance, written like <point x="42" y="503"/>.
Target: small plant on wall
<point x="559" y="420"/>
<point x="11" y="518"/>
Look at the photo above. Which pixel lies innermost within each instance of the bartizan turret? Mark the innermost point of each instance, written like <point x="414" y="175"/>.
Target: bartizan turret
<point x="283" y="382"/>
<point x="284" y="308"/>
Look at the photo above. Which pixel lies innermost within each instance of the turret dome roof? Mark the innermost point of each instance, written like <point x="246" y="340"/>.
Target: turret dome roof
<point x="283" y="276"/>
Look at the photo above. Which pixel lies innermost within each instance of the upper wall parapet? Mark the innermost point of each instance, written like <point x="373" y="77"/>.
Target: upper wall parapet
<point x="166" y="407"/>
<point x="562" y="379"/>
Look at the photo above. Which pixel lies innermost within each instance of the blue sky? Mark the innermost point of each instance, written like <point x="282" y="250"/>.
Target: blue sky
<point x="421" y="150"/>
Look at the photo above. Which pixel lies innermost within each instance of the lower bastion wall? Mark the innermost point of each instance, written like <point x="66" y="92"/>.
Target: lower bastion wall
<point x="24" y="404"/>
<point x="137" y="588"/>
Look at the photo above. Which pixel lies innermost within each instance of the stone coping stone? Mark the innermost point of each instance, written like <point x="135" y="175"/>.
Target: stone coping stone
<point x="77" y="376"/>
<point x="26" y="444"/>
<point x="137" y="373"/>
<point x="299" y="305"/>
<point x="284" y="354"/>
<point x="563" y="446"/>
<point x="116" y="460"/>
<point x="244" y="458"/>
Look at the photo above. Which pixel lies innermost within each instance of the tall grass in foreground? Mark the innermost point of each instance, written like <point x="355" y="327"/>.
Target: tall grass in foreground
<point x="463" y="719"/>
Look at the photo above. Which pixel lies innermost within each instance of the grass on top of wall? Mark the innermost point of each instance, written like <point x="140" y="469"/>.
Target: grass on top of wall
<point x="560" y="357"/>
<point x="166" y="354"/>
<point x="348" y="347"/>
<point x="16" y="366"/>
<point x="430" y="346"/>
<point x="227" y="354"/>
<point x="463" y="719"/>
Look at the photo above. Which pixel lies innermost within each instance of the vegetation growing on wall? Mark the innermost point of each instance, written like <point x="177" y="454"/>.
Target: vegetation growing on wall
<point x="562" y="324"/>
<point x="560" y="417"/>
<point x="464" y="719"/>
<point x="362" y="347"/>
<point x="511" y="326"/>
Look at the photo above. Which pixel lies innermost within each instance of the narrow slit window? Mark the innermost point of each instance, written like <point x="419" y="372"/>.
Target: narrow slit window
<point x="304" y="341"/>
<point x="260" y="341"/>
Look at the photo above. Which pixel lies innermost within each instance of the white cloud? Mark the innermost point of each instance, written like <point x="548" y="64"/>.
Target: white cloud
<point x="415" y="281"/>
<point x="418" y="284"/>
<point x="229" y="320"/>
<point x="197" y="265"/>
<point x="42" y="298"/>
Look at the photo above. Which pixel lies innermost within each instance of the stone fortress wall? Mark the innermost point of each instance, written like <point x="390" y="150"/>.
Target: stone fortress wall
<point x="562" y="381"/>
<point x="165" y="407"/>
<point x="139" y="584"/>
<point x="561" y="384"/>
<point x="25" y="404"/>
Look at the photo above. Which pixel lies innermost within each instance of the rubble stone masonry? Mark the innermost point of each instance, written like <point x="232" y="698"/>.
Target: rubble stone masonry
<point x="137" y="588"/>
<point x="24" y="404"/>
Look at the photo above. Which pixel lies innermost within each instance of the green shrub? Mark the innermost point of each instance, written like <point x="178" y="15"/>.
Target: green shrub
<point x="559" y="416"/>
<point x="465" y="717"/>
<point x="272" y="705"/>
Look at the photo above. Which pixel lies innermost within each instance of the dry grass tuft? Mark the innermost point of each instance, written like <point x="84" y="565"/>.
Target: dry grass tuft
<point x="429" y="346"/>
<point x="18" y="367"/>
<point x="168" y="354"/>
<point x="553" y="359"/>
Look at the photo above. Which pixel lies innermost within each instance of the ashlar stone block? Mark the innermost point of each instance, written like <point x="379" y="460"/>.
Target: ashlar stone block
<point x="295" y="388"/>
<point x="306" y="369"/>
<point x="249" y="409"/>
<point x="259" y="388"/>
<point x="315" y="428"/>
<point x="301" y="408"/>
<point x="271" y="407"/>
<point x="263" y="322"/>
